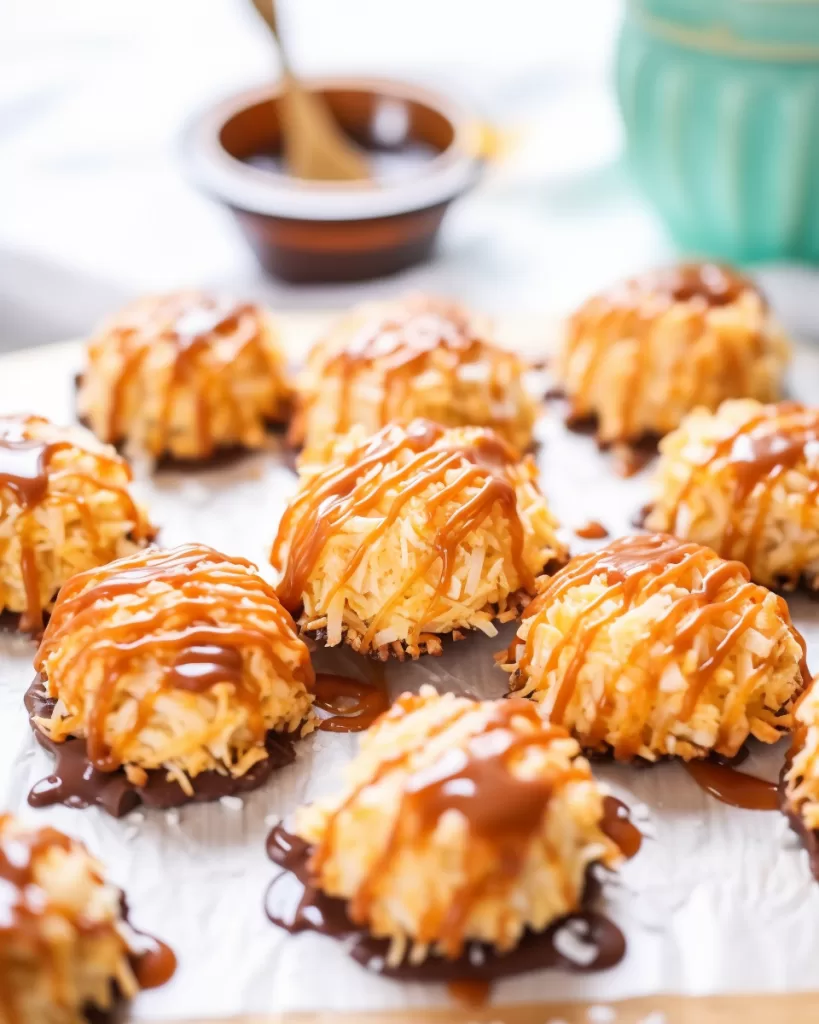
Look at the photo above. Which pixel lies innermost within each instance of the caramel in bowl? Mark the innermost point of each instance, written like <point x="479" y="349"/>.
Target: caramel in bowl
<point x="421" y="156"/>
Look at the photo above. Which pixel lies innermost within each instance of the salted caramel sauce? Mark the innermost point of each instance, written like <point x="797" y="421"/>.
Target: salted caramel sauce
<point x="19" y="913"/>
<point x="202" y="653"/>
<point x="754" y="458"/>
<point x="156" y="966"/>
<point x="399" y="342"/>
<point x="469" y="992"/>
<point x="503" y="810"/>
<point x="737" y="789"/>
<point x="191" y="322"/>
<point x="330" y="499"/>
<point x="711" y="283"/>
<point x="21" y="909"/>
<point x="629" y="309"/>
<point x="201" y="666"/>
<point x="353" y="705"/>
<point x="592" y="530"/>
<point x="619" y="827"/>
<point x="644" y="564"/>
<point x="26" y="473"/>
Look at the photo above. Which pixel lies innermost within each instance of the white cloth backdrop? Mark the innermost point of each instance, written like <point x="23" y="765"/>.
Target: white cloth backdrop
<point x="94" y="206"/>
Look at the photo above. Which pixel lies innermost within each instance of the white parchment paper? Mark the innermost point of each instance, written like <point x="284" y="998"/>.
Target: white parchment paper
<point x="719" y="900"/>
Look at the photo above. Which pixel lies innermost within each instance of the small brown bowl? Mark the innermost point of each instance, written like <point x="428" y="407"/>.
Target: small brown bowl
<point x="328" y="231"/>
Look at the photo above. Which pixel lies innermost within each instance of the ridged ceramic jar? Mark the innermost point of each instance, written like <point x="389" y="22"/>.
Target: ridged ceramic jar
<point x="720" y="100"/>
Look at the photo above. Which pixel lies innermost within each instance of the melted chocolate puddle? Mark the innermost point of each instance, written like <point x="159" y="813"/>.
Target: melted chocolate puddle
<point x="77" y="783"/>
<point x="294" y="904"/>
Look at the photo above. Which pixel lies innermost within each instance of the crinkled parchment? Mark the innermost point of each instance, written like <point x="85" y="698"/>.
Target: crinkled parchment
<point x="718" y="900"/>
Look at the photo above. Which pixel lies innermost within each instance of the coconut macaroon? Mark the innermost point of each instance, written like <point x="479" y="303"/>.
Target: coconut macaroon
<point x="415" y="357"/>
<point x="637" y="358"/>
<point x="184" y="375"/>
<point x="178" y="663"/>
<point x="458" y="821"/>
<point x="745" y="481"/>
<point x="651" y="647"/>
<point x="65" y="506"/>
<point x="64" y="946"/>
<point x="414" y="532"/>
<point x="800" y="780"/>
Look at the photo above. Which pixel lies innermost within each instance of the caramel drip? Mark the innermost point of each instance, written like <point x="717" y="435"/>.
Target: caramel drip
<point x="156" y="966"/>
<point x="629" y="310"/>
<point x="332" y="498"/>
<point x="642" y="566"/>
<point x="754" y="457"/>
<point x="192" y="322"/>
<point x="197" y="649"/>
<point x="398" y="343"/>
<point x="710" y="283"/>
<point x="592" y="530"/>
<point x="619" y="827"/>
<point x="20" y="908"/>
<point x="354" y="705"/>
<point x="19" y="854"/>
<point x="469" y="992"/>
<point x="503" y="810"/>
<point x="734" y="788"/>
<point x="198" y="667"/>
<point x="25" y="472"/>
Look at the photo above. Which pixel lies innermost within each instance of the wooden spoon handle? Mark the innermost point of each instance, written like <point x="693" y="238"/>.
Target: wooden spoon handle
<point x="267" y="10"/>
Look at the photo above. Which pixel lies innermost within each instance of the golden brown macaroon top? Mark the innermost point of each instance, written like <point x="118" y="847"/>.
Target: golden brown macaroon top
<point x="693" y="579"/>
<point x="44" y="467"/>
<point x="753" y="455"/>
<point x="193" y="615"/>
<point x="702" y="284"/>
<point x="396" y="342"/>
<point x="434" y="487"/>
<point x="641" y="354"/>
<point x="179" y="342"/>
<point x="469" y="820"/>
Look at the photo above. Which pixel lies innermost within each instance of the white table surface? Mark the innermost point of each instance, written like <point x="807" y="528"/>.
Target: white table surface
<point x="94" y="207"/>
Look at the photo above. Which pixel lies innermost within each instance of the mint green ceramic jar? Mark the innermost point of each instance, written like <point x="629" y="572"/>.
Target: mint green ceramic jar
<point x="720" y="100"/>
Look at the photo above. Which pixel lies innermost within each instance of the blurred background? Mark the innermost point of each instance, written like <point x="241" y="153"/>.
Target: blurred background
<point x="95" y="205"/>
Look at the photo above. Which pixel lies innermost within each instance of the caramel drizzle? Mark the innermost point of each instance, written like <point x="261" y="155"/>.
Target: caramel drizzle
<point x="21" y="909"/>
<point x="755" y="457"/>
<point x="399" y="342"/>
<point x="635" y="568"/>
<point x="591" y="530"/>
<point x="197" y="649"/>
<point x="331" y="498"/>
<point x="192" y="322"/>
<point x="737" y="789"/>
<point x="25" y="472"/>
<point x="503" y="810"/>
<point x="353" y="705"/>
<point x="628" y="311"/>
